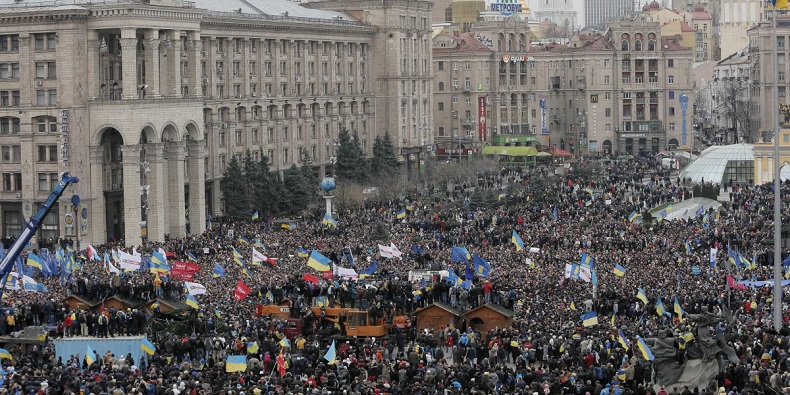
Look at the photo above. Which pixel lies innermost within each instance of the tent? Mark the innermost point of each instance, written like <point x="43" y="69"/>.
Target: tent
<point x="521" y="156"/>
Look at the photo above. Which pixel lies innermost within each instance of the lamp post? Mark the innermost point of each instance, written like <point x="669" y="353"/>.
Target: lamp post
<point x="145" y="168"/>
<point x="332" y="158"/>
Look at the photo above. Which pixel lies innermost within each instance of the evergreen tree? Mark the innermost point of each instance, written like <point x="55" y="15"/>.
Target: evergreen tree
<point x="233" y="187"/>
<point x="297" y="189"/>
<point x="264" y="201"/>
<point x="390" y="166"/>
<point x="347" y="158"/>
<point x="278" y="195"/>
<point x="363" y="169"/>
<point x="310" y="175"/>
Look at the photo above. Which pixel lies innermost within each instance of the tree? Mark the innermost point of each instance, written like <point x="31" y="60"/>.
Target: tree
<point x="351" y="165"/>
<point x="384" y="164"/>
<point x="234" y="190"/>
<point x="310" y="175"/>
<point x="736" y="107"/>
<point x="297" y="189"/>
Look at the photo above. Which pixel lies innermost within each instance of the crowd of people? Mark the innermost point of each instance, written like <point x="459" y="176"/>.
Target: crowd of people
<point x="547" y="350"/>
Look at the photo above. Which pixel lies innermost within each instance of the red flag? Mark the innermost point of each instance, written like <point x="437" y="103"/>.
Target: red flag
<point x="734" y="285"/>
<point x="281" y="363"/>
<point x="310" y="278"/>
<point x="327" y="275"/>
<point x="241" y="291"/>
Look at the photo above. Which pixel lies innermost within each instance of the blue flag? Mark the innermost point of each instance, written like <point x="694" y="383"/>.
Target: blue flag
<point x="417" y="250"/>
<point x="481" y="266"/>
<point x="469" y="273"/>
<point x="459" y="254"/>
<point x="555" y="214"/>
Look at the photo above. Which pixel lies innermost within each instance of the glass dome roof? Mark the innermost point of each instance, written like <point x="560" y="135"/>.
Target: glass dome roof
<point x="722" y="163"/>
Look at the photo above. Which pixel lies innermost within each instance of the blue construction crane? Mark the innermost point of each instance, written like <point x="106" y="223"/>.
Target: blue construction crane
<point x="32" y="226"/>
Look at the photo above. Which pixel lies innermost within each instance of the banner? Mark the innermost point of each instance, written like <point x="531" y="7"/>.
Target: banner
<point x="129" y="262"/>
<point x="241" y="291"/>
<point x="195" y="288"/>
<point x="345" y="273"/>
<point x="481" y="115"/>
<point x="184" y="270"/>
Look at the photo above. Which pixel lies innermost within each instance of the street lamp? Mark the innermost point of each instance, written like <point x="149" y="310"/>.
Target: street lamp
<point x="334" y="143"/>
<point x="145" y="168"/>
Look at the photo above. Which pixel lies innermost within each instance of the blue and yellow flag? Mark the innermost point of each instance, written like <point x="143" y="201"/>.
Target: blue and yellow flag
<point x="516" y="239"/>
<point x="252" y="347"/>
<point x="285" y="343"/>
<point x="482" y="267"/>
<point x="236" y="363"/>
<point x="244" y="240"/>
<point x="777" y="4"/>
<point x="640" y="294"/>
<point x="590" y="319"/>
<point x="319" y="262"/>
<point x="147" y="347"/>
<point x="237" y="257"/>
<point x="4" y="354"/>
<point x="329" y="221"/>
<point x="660" y="309"/>
<point x="679" y="309"/>
<point x="331" y="354"/>
<point x="191" y="257"/>
<point x="192" y="302"/>
<point x="453" y="278"/>
<point x="254" y="216"/>
<point x="259" y="244"/>
<point x="459" y="254"/>
<point x="35" y="261"/>
<point x="302" y="252"/>
<point x="401" y="214"/>
<point x="619" y="270"/>
<point x="644" y="349"/>
<point x="219" y="272"/>
<point x="634" y="215"/>
<point x="158" y="258"/>
<point x="587" y="261"/>
<point x="90" y="357"/>
<point x="623" y="340"/>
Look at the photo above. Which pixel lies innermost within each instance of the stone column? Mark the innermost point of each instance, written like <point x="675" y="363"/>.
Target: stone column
<point x="174" y="69"/>
<point x="131" y="194"/>
<point x="176" y="207"/>
<point x="197" y="186"/>
<point x="129" y="63"/>
<point x="94" y="64"/>
<point x="157" y="185"/>
<point x="97" y="203"/>
<point x="151" y="44"/>
<point x="194" y="57"/>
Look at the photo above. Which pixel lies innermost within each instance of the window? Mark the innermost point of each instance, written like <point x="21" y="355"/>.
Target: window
<point x="10" y="154"/>
<point x="9" y="98"/>
<point x="48" y="153"/>
<point x="285" y="156"/>
<point x="671" y="79"/>
<point x="221" y="139"/>
<point x="441" y="131"/>
<point x="46" y="124"/>
<point x="52" y="94"/>
<point x="605" y="79"/>
<point x="671" y="95"/>
<point x="221" y="160"/>
<point x="440" y="65"/>
<point x="9" y="125"/>
<point x="12" y="181"/>
<point x="608" y="112"/>
<point x="255" y="136"/>
<point x="454" y="99"/>
<point x="670" y="63"/>
<point x="607" y="96"/>
<point x="238" y="137"/>
<point x="441" y="106"/>
<point x="285" y="133"/>
<point x="45" y="41"/>
<point x="9" y="71"/>
<point x="9" y="43"/>
<point x="671" y="110"/>
<point x="671" y="126"/>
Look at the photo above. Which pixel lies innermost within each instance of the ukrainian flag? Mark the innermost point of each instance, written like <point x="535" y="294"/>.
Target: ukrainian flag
<point x="590" y="319"/>
<point x="640" y="294"/>
<point x="192" y="302"/>
<point x="4" y="354"/>
<point x="619" y="270"/>
<point x="688" y="247"/>
<point x="318" y="261"/>
<point x="623" y="341"/>
<point x="331" y="354"/>
<point x="302" y="253"/>
<point x="285" y="226"/>
<point x="255" y="216"/>
<point x="285" y="343"/>
<point x="35" y="261"/>
<point x="217" y="313"/>
<point x="90" y="357"/>
<point x="644" y="349"/>
<point x="401" y="213"/>
<point x="218" y="271"/>
<point x="191" y="257"/>
<point x="516" y="239"/>
<point x="620" y="375"/>
<point x="573" y="305"/>
<point x="259" y="244"/>
<point x="237" y="257"/>
<point x="236" y="363"/>
<point x="244" y="240"/>
<point x="634" y="215"/>
<point x="678" y="309"/>
<point x="252" y="347"/>
<point x="148" y="347"/>
<point x="157" y="268"/>
<point x="156" y="257"/>
<point x="329" y="221"/>
<point x="588" y="203"/>
<point x="660" y="309"/>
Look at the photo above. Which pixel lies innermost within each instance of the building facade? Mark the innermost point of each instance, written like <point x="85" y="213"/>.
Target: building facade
<point x="627" y="91"/>
<point x="597" y="13"/>
<point x="762" y="72"/>
<point x="148" y="100"/>
<point x="726" y="107"/>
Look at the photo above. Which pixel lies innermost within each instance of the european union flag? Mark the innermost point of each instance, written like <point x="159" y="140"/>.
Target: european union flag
<point x="459" y="254"/>
<point x="481" y="266"/>
<point x="370" y="270"/>
<point x="453" y="278"/>
<point x="468" y="272"/>
<point x="417" y="250"/>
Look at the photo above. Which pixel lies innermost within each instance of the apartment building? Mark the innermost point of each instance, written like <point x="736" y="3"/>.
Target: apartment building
<point x="148" y="100"/>
<point x="762" y="72"/>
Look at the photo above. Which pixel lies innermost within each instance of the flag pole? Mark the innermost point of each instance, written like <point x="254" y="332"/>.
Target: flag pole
<point x="777" y="294"/>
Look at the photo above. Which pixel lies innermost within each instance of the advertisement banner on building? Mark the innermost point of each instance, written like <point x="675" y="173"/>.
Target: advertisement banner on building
<point x="684" y="106"/>
<point x="544" y="129"/>
<point x="481" y="114"/>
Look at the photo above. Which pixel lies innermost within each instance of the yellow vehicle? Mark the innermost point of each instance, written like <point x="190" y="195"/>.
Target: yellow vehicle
<point x="354" y="322"/>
